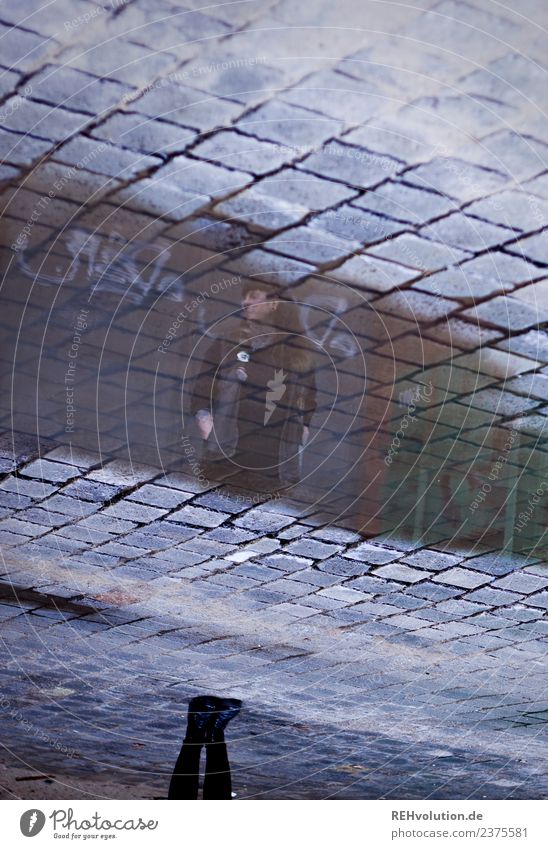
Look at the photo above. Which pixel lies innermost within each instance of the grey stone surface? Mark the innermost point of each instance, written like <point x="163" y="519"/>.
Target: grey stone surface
<point x="403" y="671"/>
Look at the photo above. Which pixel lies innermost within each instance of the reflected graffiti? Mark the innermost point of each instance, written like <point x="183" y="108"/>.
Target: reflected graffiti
<point x="110" y="263"/>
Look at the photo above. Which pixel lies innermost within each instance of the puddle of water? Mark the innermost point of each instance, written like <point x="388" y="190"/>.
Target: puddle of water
<point x="106" y="336"/>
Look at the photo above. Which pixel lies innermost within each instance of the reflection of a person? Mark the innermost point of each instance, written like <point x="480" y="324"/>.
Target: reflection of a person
<point x="208" y="717"/>
<point x="256" y="394"/>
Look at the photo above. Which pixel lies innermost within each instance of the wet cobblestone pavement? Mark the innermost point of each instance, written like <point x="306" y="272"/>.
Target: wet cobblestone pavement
<point x="384" y="621"/>
<point x="366" y="670"/>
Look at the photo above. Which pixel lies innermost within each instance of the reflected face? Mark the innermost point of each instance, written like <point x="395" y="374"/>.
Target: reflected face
<point x="257" y="306"/>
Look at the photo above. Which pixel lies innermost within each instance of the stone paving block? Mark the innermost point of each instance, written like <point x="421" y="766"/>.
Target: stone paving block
<point x="209" y="547"/>
<point x="372" y="554"/>
<point x="321" y="602"/>
<point x="225" y="501"/>
<point x="312" y="245"/>
<point x="8" y="538"/>
<point x="201" y="178"/>
<point x="350" y="165"/>
<point x="406" y="623"/>
<point x="85" y="534"/>
<point x="401" y="572"/>
<point x="311" y="548"/>
<point x="231" y="536"/>
<point x="159" y="496"/>
<point x="404" y="600"/>
<point x="288" y="587"/>
<point x="467" y="233"/>
<point x="289" y="125"/>
<point x="431" y="560"/>
<point x="21" y="149"/>
<point x="496" y="563"/>
<point x="258" y="571"/>
<point x="35" y="489"/>
<point x="45" y="470"/>
<point x="199" y="516"/>
<point x="532" y="248"/>
<point x="262" y="265"/>
<point x="259" y="520"/>
<point x="503" y="403"/>
<point x="404" y="203"/>
<point x="155" y="198"/>
<point x="294" y="611"/>
<point x="90" y="491"/>
<point x="506" y="313"/>
<point x="23" y="50"/>
<point x="343" y="566"/>
<point x="133" y="511"/>
<point x="456" y="179"/>
<point x="373" y="585"/>
<point x="263" y="596"/>
<point x="138" y="133"/>
<point x="121" y="473"/>
<point x="106" y="524"/>
<point x="497" y="364"/>
<point x="176" y="480"/>
<point x="20" y="526"/>
<point x="187" y="107"/>
<point x="458" y="577"/>
<point x="334" y="95"/>
<point x="242" y="152"/>
<point x="458" y="283"/>
<point x="535" y="425"/>
<point x="104" y="158"/>
<point x="46" y="517"/>
<point x="342" y="594"/>
<point x="535" y="296"/>
<point x="8" y="84"/>
<point x="422" y="254"/>
<point x="286" y="562"/>
<point x="74" y="456"/>
<point x="45" y="122"/>
<point x="521" y="582"/>
<point x="317" y="577"/>
<point x="538" y="186"/>
<point x="306" y="190"/>
<point x="69" y="506"/>
<point x="490" y="622"/>
<point x="516" y="157"/>
<point x="72" y="89"/>
<point x="139" y="68"/>
<point x="179" y="556"/>
<point x="517" y="209"/>
<point x="521" y="613"/>
<point x="261" y="212"/>
<point x="493" y="597"/>
<point x="245" y="84"/>
<point x="340" y="536"/>
<point x="180" y="30"/>
<point x="150" y="542"/>
<point x="353" y="224"/>
<point x="237" y="582"/>
<point x="367" y="272"/>
<point x="293" y="532"/>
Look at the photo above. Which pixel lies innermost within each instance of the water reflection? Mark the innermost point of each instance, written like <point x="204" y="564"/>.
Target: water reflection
<point x="205" y="353"/>
<point x="208" y="717"/>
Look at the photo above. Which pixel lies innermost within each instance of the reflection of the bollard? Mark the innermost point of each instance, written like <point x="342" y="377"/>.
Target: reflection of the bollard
<point x="208" y="717"/>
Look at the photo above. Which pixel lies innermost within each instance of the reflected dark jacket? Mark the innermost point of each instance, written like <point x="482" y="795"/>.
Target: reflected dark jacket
<point x="278" y="397"/>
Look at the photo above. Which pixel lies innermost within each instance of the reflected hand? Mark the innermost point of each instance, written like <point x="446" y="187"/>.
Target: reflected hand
<point x="204" y="420"/>
<point x="306" y="434"/>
